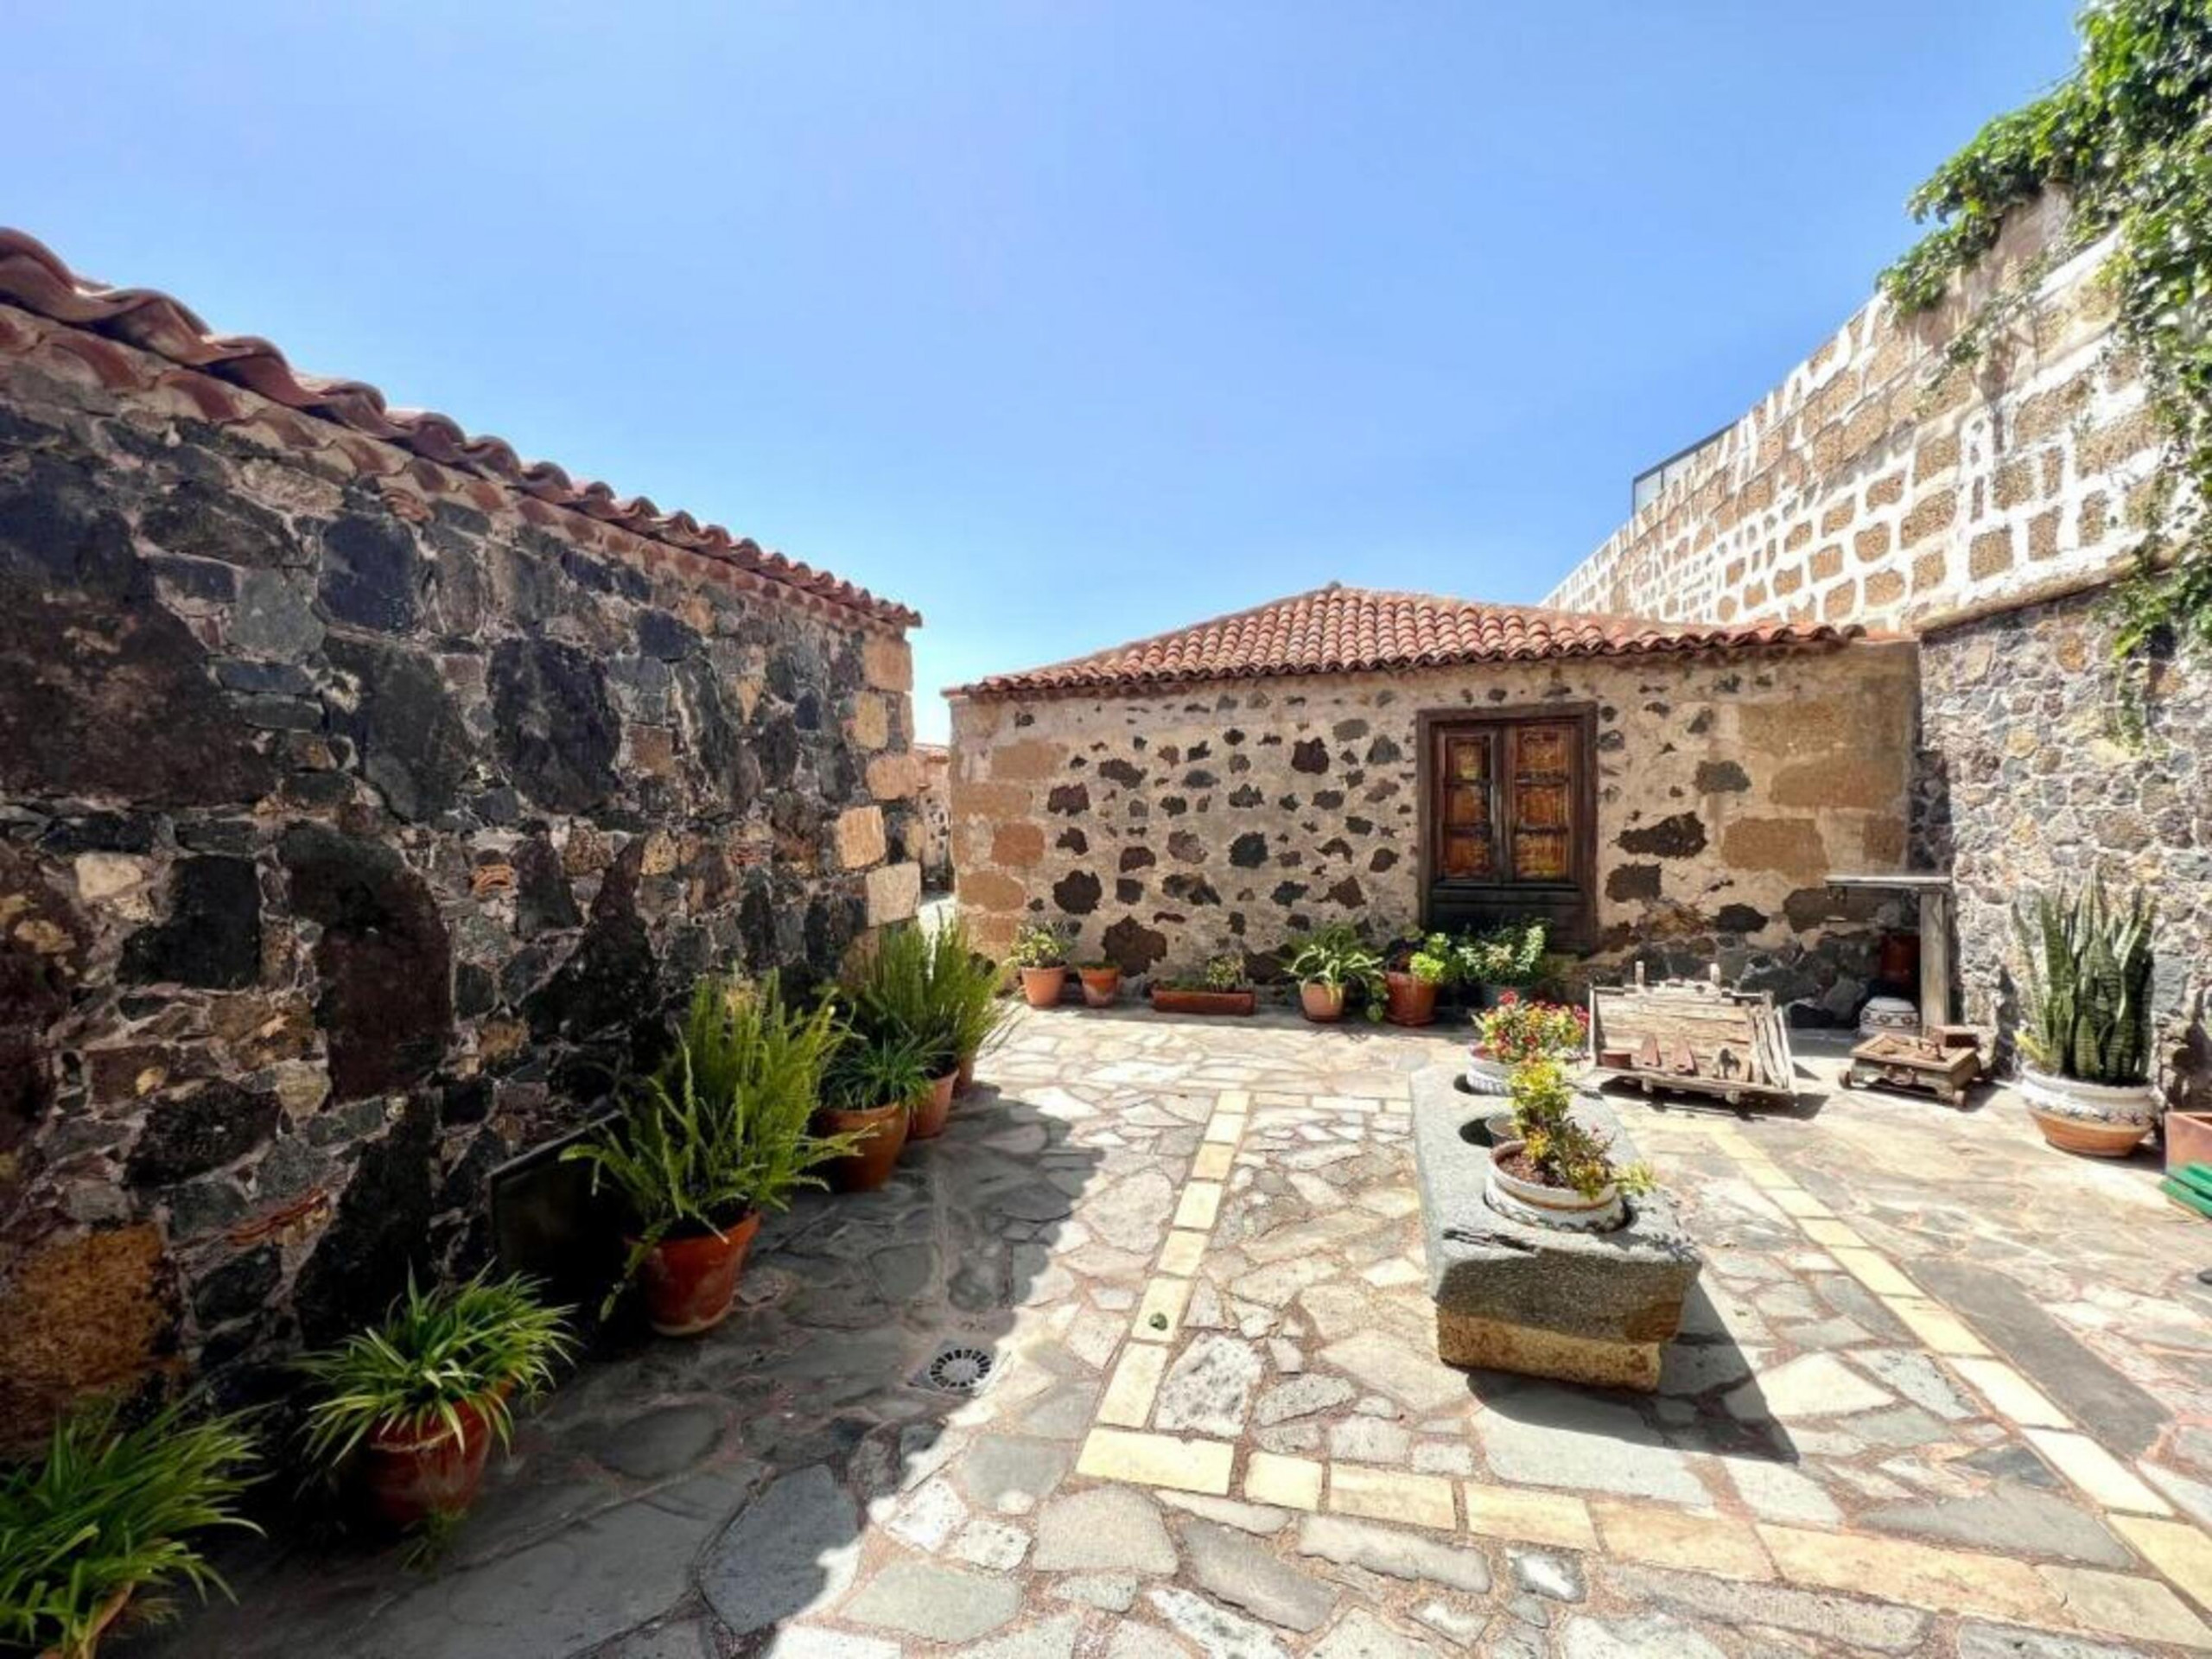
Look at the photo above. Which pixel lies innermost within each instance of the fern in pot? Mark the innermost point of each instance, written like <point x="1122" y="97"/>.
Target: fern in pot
<point x="868" y="1097"/>
<point x="413" y="1405"/>
<point x="718" y="1136"/>
<point x="902" y="988"/>
<point x="2085" y="1030"/>
<point x="109" y="1513"/>
<point x="966" y="984"/>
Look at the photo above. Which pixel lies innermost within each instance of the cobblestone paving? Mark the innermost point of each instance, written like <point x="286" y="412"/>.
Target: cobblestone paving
<point x="1944" y="1391"/>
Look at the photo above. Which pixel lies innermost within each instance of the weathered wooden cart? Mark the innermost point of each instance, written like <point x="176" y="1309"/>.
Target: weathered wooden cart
<point x="1694" y="1036"/>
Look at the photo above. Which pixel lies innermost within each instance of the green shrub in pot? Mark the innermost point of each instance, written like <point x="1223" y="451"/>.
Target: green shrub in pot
<point x="2085" y="1031"/>
<point x="108" y="1513"/>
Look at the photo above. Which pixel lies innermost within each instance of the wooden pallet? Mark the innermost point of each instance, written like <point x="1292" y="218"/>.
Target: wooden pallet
<point x="1694" y="1036"/>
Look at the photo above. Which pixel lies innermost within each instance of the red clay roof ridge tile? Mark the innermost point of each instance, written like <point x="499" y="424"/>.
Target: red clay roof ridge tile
<point x="1339" y="630"/>
<point x="36" y="279"/>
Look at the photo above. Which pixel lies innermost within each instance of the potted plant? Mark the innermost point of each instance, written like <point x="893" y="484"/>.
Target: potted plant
<point x="896" y="994"/>
<point x="1554" y="1171"/>
<point x="969" y="983"/>
<point x="1217" y="988"/>
<point x="1329" y="964"/>
<point x="715" y="1137"/>
<point x="417" y="1402"/>
<point x="1521" y="1029"/>
<point x="108" y="1513"/>
<point x="1410" y="989"/>
<point x="1508" y="958"/>
<point x="1102" y="983"/>
<point x="1040" y="952"/>
<point x="2085" y="1029"/>
<point x="867" y="1095"/>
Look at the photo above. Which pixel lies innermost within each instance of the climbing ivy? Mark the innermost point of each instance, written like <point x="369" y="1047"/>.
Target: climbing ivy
<point x="2127" y="137"/>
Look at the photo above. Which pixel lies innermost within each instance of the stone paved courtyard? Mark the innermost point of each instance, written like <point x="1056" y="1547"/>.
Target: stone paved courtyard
<point x="1944" y="1391"/>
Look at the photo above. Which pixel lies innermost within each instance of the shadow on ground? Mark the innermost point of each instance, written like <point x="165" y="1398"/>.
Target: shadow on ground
<point x="686" y="1497"/>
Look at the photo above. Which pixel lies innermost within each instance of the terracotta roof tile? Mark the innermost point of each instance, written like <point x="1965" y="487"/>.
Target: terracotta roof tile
<point x="33" y="279"/>
<point x="1336" y="629"/>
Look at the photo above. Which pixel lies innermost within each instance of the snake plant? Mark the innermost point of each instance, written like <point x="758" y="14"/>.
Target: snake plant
<point x="2087" y="984"/>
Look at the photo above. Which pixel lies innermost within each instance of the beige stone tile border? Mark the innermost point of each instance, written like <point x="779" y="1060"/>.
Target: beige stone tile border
<point x="1940" y="1579"/>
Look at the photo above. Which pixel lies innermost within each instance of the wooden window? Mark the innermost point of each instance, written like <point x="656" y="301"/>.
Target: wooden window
<point x="1510" y="829"/>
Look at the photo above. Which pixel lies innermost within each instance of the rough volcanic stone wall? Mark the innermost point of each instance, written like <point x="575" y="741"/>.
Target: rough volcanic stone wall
<point x="1167" y="827"/>
<point x="2026" y="781"/>
<point x="353" y="813"/>
<point x="935" y="804"/>
<point x="1879" y="484"/>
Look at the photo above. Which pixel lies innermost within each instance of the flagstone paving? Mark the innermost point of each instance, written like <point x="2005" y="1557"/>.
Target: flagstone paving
<point x="1941" y="1390"/>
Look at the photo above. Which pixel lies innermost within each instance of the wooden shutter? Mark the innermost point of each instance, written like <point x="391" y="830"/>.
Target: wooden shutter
<point x="1467" y="830"/>
<point x="1542" y="791"/>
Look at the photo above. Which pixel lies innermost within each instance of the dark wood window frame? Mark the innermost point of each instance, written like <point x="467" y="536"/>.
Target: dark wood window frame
<point x="1455" y="902"/>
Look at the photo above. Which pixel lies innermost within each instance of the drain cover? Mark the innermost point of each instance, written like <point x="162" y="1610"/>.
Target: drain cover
<point x="957" y="1368"/>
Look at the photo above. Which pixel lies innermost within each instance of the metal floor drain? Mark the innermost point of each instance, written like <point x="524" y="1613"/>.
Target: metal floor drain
<point x="957" y="1368"/>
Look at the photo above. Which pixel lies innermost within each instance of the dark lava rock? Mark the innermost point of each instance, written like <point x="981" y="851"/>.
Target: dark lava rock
<point x="207" y="522"/>
<point x="386" y="1006"/>
<point x="1309" y="755"/>
<point x="413" y="745"/>
<point x="1682" y="835"/>
<point x="371" y="573"/>
<point x="212" y="936"/>
<point x="381" y="1230"/>
<point x="543" y="901"/>
<point x="611" y="978"/>
<point x="1249" y="851"/>
<point x="1625" y="883"/>
<point x="1121" y="773"/>
<point x="1078" y="893"/>
<point x="1069" y="798"/>
<point x="1132" y="947"/>
<point x="189" y="1135"/>
<point x="1137" y="858"/>
<point x="557" y="732"/>
<point x="240" y="1286"/>
<point x="1721" y="778"/>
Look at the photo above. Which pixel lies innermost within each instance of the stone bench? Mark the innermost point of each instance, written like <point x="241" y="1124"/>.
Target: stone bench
<point x="1582" y="1307"/>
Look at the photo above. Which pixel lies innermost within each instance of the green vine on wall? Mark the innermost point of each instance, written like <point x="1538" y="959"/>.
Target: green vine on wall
<point x="2127" y="137"/>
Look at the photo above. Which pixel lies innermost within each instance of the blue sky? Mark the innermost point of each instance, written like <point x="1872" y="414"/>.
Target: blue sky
<point x="1063" y="323"/>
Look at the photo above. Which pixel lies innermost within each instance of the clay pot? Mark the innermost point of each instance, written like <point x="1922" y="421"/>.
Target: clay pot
<point x="1408" y="1000"/>
<point x="2091" y="1119"/>
<point x="2189" y="1139"/>
<point x="930" y="1110"/>
<point x="1042" y="986"/>
<point x="1323" y="1004"/>
<point x="412" y="1475"/>
<point x="1168" y="999"/>
<point x="689" y="1282"/>
<point x="965" y="1078"/>
<point x="1541" y="1206"/>
<point x="1100" y="986"/>
<point x="884" y="1129"/>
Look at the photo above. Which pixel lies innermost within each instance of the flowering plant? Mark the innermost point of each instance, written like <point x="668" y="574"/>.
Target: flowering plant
<point x="1516" y="1031"/>
<point x="1561" y="1151"/>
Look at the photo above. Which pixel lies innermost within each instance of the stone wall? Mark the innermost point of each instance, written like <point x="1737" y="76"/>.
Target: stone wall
<point x="1170" y="826"/>
<point x="353" y="812"/>
<point x="935" y="804"/>
<point x="1879" y="484"/>
<point x="2025" y="783"/>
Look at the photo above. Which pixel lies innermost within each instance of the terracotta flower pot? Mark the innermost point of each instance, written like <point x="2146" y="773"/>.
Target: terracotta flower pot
<point x="1100" y="986"/>
<point x="1408" y="1000"/>
<point x="965" y="1078"/>
<point x="2094" y="1120"/>
<point x="412" y="1475"/>
<point x="2189" y="1139"/>
<point x="1323" y="1004"/>
<point x="689" y="1282"/>
<point x="930" y="1110"/>
<point x="884" y="1129"/>
<point x="1168" y="999"/>
<point x="1042" y="985"/>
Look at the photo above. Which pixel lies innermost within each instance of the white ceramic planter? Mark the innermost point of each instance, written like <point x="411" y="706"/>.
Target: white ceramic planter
<point x="1487" y="1076"/>
<point x="2096" y="1120"/>
<point x="1550" y="1206"/>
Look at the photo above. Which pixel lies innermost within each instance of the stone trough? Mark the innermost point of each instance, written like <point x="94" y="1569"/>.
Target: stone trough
<point x="1582" y="1307"/>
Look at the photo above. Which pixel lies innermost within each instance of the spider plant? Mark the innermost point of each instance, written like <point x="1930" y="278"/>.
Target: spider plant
<point x="1336" y="956"/>
<point x="473" y="1344"/>
<point x="107" y="1512"/>
<point x="966" y="984"/>
<point x="2087" y="989"/>
<point x="720" y="1129"/>
<point x="870" y="1072"/>
<point x="895" y="993"/>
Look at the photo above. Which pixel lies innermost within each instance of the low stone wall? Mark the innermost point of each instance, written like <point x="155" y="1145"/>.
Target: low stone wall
<point x="1881" y="484"/>
<point x="2026" y="781"/>
<point x="1165" y="828"/>
<point x="353" y="811"/>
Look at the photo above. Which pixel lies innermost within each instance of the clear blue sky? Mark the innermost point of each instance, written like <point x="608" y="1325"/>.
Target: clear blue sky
<point x="1063" y="323"/>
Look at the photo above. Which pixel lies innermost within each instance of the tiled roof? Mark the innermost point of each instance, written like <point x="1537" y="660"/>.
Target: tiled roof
<point x="1338" y="630"/>
<point x="32" y="277"/>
